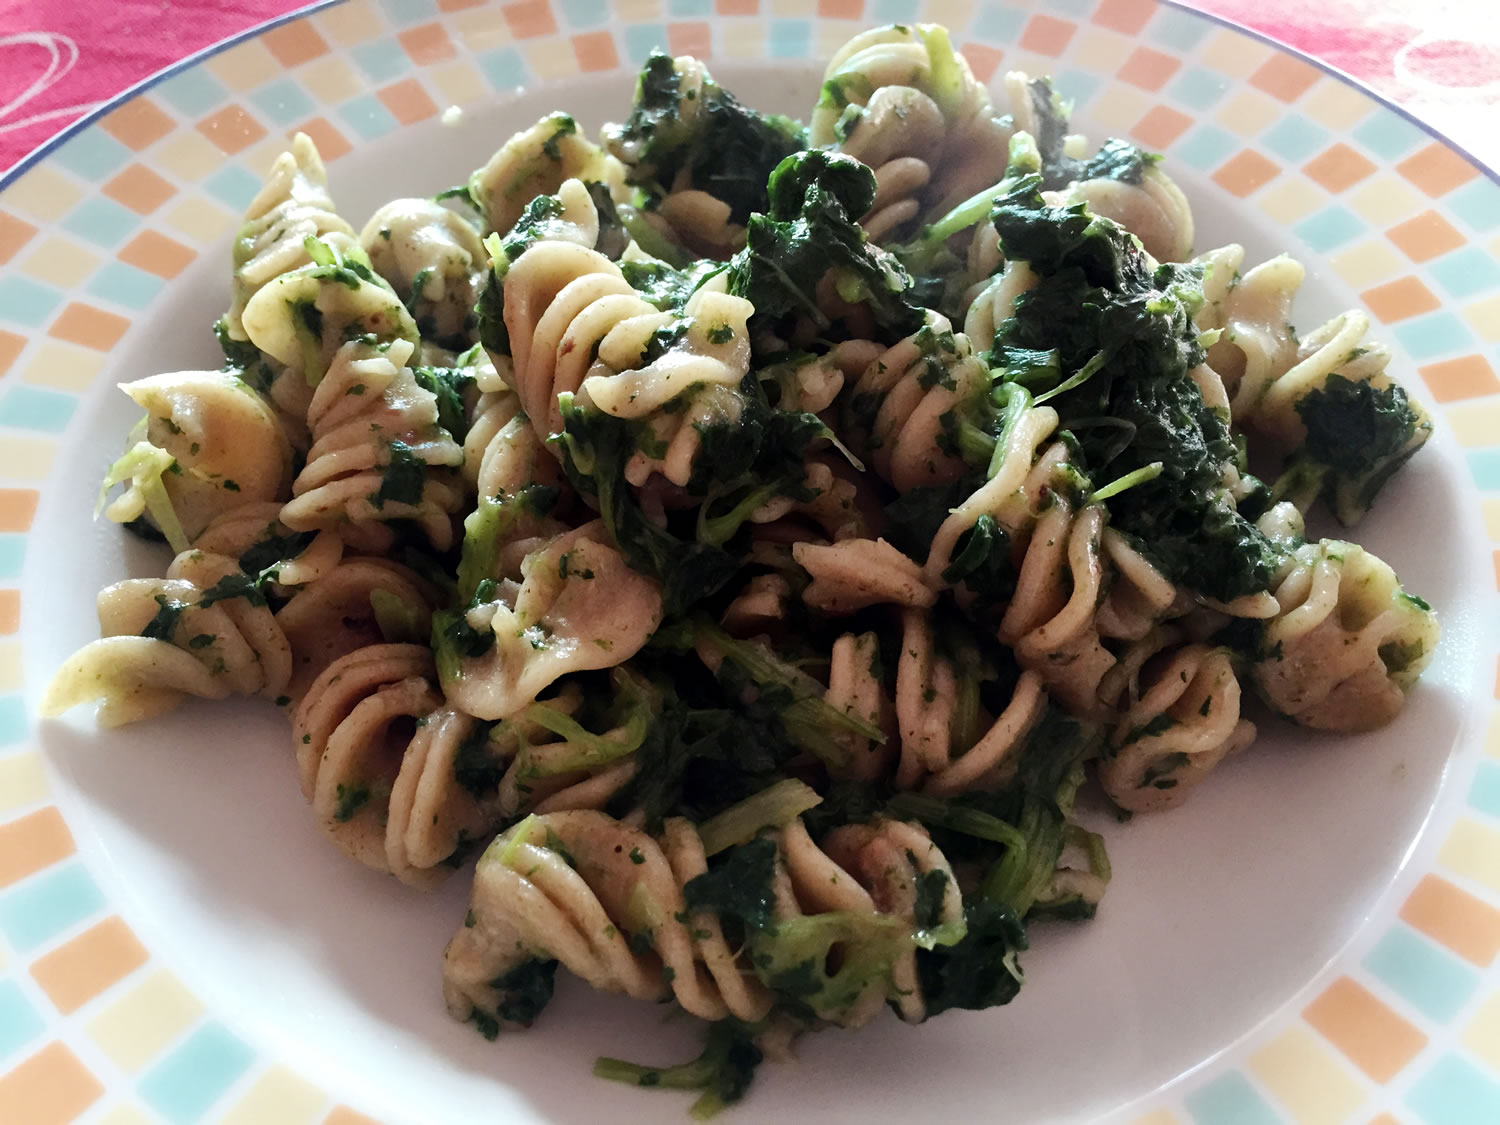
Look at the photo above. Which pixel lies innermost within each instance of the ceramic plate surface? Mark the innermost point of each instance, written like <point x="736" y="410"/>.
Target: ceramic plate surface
<point x="1311" y="939"/>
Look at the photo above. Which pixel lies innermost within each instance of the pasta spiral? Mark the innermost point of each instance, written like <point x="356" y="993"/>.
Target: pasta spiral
<point x="534" y="162"/>
<point x="435" y="257"/>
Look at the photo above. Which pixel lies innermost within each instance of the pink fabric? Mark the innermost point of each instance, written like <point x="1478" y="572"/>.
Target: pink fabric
<point x="60" y="58"/>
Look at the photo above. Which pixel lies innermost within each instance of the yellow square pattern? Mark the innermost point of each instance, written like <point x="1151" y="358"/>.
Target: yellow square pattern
<point x="24" y="458"/>
<point x="63" y="367"/>
<point x="1249" y="113"/>
<point x="330" y="79"/>
<point x="246" y="66"/>
<point x="481" y="28"/>
<point x="126" y="1115"/>
<point x="1475" y="425"/>
<point x="60" y="261"/>
<point x="1385" y="201"/>
<point x="10" y="665"/>
<point x="1482" y="1036"/>
<point x="1158" y="1117"/>
<point x="1491" y="506"/>
<point x="43" y="193"/>
<point x="830" y="35"/>
<point x="458" y="82"/>
<point x="136" y="1028"/>
<point x="1367" y="263"/>
<point x="23" y="781"/>
<point x="1473" y="850"/>
<point x="1492" y="741"/>
<point x="189" y="155"/>
<point x="1095" y="49"/>
<point x="1119" y="107"/>
<point x="1484" y="317"/>
<point x="746" y="42"/>
<point x="348" y="24"/>
<point x="278" y="1095"/>
<point x="639" y="11"/>
<point x="552" y="58"/>
<point x="200" y="220"/>
<point x="949" y="13"/>
<point x="1336" y="105"/>
<point x="1289" y="199"/>
<point x="1232" y="53"/>
<point x="1303" y="1074"/>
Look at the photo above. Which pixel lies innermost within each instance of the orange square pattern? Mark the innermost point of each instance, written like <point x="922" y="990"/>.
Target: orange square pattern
<point x="1160" y="127"/>
<point x="17" y="507"/>
<point x="138" y="123"/>
<point x="983" y="61"/>
<point x="1149" y="69"/>
<point x="14" y="234"/>
<point x="690" y="39"/>
<point x="1284" y="77"/>
<point x="1244" y="173"/>
<point x="10" y="348"/>
<point x="1469" y="376"/>
<point x="140" y="189"/>
<point x="1369" y="1034"/>
<point x="457" y="5"/>
<point x="77" y="972"/>
<point x="32" y="843"/>
<point x="841" y="9"/>
<point x="736" y="7"/>
<point x="91" y="327"/>
<point x="408" y="101"/>
<point x="1339" y="168"/>
<point x="156" y="253"/>
<point x="530" y="18"/>
<point x="596" y="51"/>
<point x="1437" y="169"/>
<point x="1047" y="35"/>
<point x="427" y="44"/>
<point x="1425" y="237"/>
<point x="295" y="43"/>
<point x="1128" y="16"/>
<point x="50" y="1088"/>
<point x="1397" y="300"/>
<point x="232" y="129"/>
<point x="331" y="143"/>
<point x="10" y="611"/>
<point x="1385" y="1119"/>
<point x="343" y="1115"/>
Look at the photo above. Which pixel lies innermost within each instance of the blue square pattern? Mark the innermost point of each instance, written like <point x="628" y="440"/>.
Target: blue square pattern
<point x="31" y="408"/>
<point x="403" y="12"/>
<point x="1177" y="29"/>
<point x="1477" y="204"/>
<point x="1205" y="147"/>
<point x="1433" y="982"/>
<point x="1229" y="1100"/>
<point x="1436" y="334"/>
<point x="234" y="186"/>
<point x="998" y="25"/>
<point x="1455" y="1092"/>
<point x="506" y="69"/>
<point x="1295" y="138"/>
<point x="101" y="221"/>
<point x="367" y="116"/>
<point x="643" y="38"/>
<point x="283" y="102"/>
<point x="1484" y="794"/>
<point x="184" y="1086"/>
<point x="677" y="9"/>
<point x="584" y="13"/>
<point x="194" y="92"/>
<point x="382" y="60"/>
<point x="1075" y="8"/>
<point x="125" y="285"/>
<point x="45" y="905"/>
<point x="1329" y="228"/>
<point x="23" y="301"/>
<point x="1197" y="88"/>
<point x="93" y="155"/>
<point x="791" y="39"/>
<point x="1076" y="86"/>
<point x="12" y="556"/>
<point x="1388" y="135"/>
<point x="15" y="726"/>
<point x="1484" y="466"/>
<point x="1467" y="272"/>
<point x="19" y="1022"/>
<point x="892" y="11"/>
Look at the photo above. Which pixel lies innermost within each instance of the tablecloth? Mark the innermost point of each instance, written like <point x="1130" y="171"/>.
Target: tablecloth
<point x="60" y="58"/>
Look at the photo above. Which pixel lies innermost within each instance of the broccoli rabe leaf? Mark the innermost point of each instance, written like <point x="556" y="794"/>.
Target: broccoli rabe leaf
<point x="982" y="564"/>
<point x="402" y="479"/>
<point x="981" y="970"/>
<point x="448" y="385"/>
<point x="244" y="357"/>
<point x="1125" y="339"/>
<point x="810" y="237"/>
<point x="726" y="149"/>
<point x="739" y="885"/>
<point x="1116" y="159"/>
<point x="525" y="991"/>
